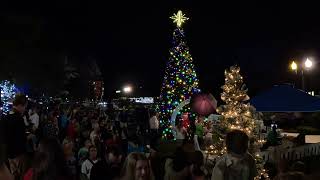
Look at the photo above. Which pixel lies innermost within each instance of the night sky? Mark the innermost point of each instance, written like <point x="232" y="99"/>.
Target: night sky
<point x="131" y="41"/>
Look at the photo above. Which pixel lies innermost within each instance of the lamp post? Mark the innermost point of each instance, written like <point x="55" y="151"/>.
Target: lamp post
<point x="308" y="64"/>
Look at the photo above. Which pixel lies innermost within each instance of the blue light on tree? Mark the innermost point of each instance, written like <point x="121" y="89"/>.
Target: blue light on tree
<point x="8" y="91"/>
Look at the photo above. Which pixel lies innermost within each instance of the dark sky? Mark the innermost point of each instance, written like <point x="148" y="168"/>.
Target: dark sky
<point x="130" y="41"/>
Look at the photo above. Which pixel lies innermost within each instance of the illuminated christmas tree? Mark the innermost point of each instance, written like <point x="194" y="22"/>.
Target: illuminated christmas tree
<point x="238" y="114"/>
<point x="8" y="91"/>
<point x="180" y="80"/>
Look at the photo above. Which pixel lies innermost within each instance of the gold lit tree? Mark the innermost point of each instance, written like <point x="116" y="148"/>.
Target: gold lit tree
<point x="237" y="113"/>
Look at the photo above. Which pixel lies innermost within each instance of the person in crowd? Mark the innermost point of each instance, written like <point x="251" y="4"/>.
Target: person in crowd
<point x="68" y="146"/>
<point x="154" y="127"/>
<point x="64" y="119"/>
<point x="177" y="168"/>
<point x="48" y="163"/>
<point x="108" y="167"/>
<point x="134" y="145"/>
<point x="84" y="151"/>
<point x="124" y="136"/>
<point x="181" y="132"/>
<point x="26" y="119"/>
<point x="208" y="140"/>
<point x="272" y="137"/>
<point x="104" y="131"/>
<point x="95" y="134"/>
<point x="197" y="172"/>
<point x="199" y="129"/>
<point x="136" y="167"/>
<point x="114" y="141"/>
<point x="72" y="129"/>
<point x="34" y="117"/>
<point x="14" y="134"/>
<point x="88" y="164"/>
<point x="4" y="171"/>
<point x="237" y="163"/>
<point x="51" y="128"/>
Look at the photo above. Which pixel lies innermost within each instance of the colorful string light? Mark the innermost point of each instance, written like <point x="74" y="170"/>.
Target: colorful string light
<point x="180" y="79"/>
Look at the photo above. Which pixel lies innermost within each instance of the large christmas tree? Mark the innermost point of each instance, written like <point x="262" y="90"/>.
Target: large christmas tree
<point x="180" y="79"/>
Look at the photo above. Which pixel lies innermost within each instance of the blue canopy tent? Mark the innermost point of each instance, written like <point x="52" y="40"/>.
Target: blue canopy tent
<point x="284" y="98"/>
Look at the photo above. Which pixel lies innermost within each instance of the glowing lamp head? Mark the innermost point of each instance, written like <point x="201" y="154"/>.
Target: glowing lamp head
<point x="308" y="63"/>
<point x="294" y="66"/>
<point x="127" y="89"/>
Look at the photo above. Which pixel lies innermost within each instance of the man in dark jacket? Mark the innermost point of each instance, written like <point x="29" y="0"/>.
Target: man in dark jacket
<point x="109" y="167"/>
<point x="14" y="135"/>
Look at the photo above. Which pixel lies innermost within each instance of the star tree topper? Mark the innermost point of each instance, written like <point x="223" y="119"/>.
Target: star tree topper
<point x="179" y="18"/>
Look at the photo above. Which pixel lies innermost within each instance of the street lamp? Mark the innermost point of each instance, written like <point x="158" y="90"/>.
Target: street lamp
<point x="127" y="89"/>
<point x="307" y="65"/>
<point x="294" y="66"/>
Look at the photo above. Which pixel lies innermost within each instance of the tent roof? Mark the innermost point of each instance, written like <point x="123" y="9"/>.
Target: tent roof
<point x="284" y="98"/>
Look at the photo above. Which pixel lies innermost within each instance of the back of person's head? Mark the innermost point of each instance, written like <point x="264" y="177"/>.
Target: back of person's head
<point x="237" y="142"/>
<point x="198" y="158"/>
<point x="87" y="143"/>
<point x="180" y="160"/>
<point x="130" y="171"/>
<point x="20" y="99"/>
<point x="113" y="154"/>
<point x="49" y="160"/>
<point x="67" y="143"/>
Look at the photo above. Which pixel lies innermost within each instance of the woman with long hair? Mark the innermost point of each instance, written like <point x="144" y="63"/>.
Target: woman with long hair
<point x="137" y="167"/>
<point x="48" y="163"/>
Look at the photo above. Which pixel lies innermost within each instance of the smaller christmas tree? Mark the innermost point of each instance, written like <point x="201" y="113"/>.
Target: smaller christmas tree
<point x="238" y="114"/>
<point x="8" y="91"/>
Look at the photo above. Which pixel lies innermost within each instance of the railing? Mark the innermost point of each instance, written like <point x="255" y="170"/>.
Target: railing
<point x="293" y="153"/>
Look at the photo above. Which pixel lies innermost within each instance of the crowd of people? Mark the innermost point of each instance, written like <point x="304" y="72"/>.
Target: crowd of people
<point x="72" y="142"/>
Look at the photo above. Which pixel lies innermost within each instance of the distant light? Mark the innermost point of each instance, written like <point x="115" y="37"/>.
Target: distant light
<point x="294" y="66"/>
<point x="127" y="89"/>
<point x="311" y="93"/>
<point x="118" y="91"/>
<point x="308" y="63"/>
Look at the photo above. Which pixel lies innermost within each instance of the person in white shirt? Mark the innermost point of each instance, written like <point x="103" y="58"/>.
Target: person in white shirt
<point x="237" y="163"/>
<point x="154" y="122"/>
<point x="154" y="127"/>
<point x="34" y="117"/>
<point x="95" y="134"/>
<point x="88" y="164"/>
